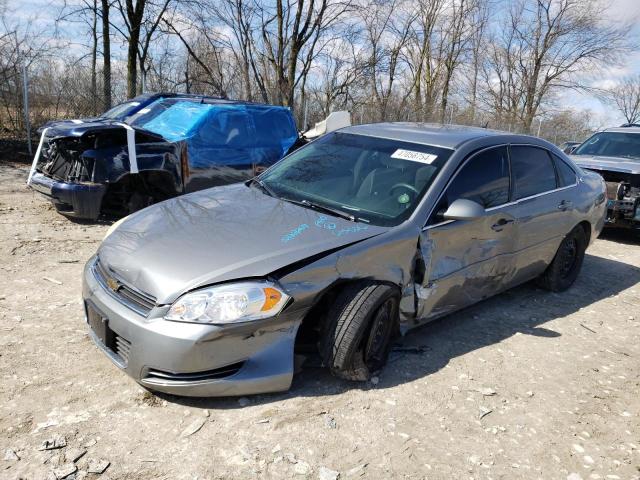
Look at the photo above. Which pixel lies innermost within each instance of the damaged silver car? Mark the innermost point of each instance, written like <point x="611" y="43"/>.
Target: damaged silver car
<point x="349" y="241"/>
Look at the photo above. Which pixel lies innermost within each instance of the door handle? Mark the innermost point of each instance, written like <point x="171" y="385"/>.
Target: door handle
<point x="500" y="224"/>
<point x="565" y="205"/>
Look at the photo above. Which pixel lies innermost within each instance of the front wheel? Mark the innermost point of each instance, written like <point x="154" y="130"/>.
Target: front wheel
<point x="357" y="334"/>
<point x="564" y="268"/>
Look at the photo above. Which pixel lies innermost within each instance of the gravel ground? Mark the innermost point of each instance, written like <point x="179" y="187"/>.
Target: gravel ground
<point x="529" y="384"/>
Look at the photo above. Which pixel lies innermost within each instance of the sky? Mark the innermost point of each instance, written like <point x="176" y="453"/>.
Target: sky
<point x="623" y="11"/>
<point x="42" y="13"/>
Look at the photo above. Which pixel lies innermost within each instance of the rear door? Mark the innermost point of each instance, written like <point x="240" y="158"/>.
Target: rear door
<point x="543" y="193"/>
<point x="467" y="261"/>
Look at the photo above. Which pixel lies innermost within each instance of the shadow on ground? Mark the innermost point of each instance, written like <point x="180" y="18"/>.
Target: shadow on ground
<point x="621" y="235"/>
<point x="431" y="347"/>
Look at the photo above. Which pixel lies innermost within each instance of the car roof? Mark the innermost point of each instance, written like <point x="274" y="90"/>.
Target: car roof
<point x="207" y="99"/>
<point x="447" y="136"/>
<point x="623" y="129"/>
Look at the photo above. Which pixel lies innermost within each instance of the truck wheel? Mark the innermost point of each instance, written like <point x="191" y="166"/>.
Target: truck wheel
<point x="357" y="334"/>
<point x="564" y="268"/>
<point x="138" y="201"/>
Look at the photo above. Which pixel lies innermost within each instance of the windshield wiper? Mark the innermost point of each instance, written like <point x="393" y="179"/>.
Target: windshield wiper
<point x="316" y="206"/>
<point x="263" y="186"/>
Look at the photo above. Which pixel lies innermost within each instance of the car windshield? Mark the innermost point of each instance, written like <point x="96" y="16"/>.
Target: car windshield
<point x="612" y="144"/>
<point x="156" y="109"/>
<point x="120" y="111"/>
<point x="374" y="180"/>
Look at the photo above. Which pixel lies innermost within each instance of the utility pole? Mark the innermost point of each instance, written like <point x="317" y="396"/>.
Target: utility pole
<point x="539" y="125"/>
<point x="306" y="115"/>
<point x="25" y="94"/>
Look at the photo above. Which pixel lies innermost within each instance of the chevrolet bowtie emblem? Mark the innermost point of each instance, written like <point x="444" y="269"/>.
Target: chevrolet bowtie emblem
<point x="113" y="284"/>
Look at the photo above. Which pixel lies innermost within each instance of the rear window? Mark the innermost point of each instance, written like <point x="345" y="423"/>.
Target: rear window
<point x="566" y="175"/>
<point x="532" y="170"/>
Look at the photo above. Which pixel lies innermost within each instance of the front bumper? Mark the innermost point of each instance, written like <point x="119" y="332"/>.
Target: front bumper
<point x="193" y="359"/>
<point x="623" y="213"/>
<point x="78" y="200"/>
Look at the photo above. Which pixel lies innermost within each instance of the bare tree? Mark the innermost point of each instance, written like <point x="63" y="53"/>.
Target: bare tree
<point x="456" y="39"/>
<point x="290" y="32"/>
<point x="132" y="16"/>
<point x="21" y="46"/>
<point x="477" y="49"/>
<point x="86" y="12"/>
<point x="472" y="61"/>
<point x="543" y="47"/>
<point x="423" y="58"/>
<point x="206" y="49"/>
<point x="387" y="26"/>
<point x="626" y="98"/>
<point x="154" y="13"/>
<point x="238" y="15"/>
<point x="340" y="74"/>
<point x="141" y="21"/>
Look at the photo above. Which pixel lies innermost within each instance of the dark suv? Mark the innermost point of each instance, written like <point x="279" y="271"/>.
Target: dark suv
<point x="173" y="145"/>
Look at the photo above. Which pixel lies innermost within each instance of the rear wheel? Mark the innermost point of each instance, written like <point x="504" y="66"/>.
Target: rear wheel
<point x="564" y="268"/>
<point x="357" y="335"/>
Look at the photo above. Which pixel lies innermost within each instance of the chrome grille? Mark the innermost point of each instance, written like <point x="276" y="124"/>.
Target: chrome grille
<point x="123" y="347"/>
<point x="136" y="300"/>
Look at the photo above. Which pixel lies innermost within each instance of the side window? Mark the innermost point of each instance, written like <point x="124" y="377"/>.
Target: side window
<point x="483" y="179"/>
<point x="532" y="171"/>
<point x="566" y="175"/>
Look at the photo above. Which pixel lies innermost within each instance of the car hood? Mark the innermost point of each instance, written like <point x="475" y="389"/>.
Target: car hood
<point x="613" y="164"/>
<point x="57" y="127"/>
<point x="219" y="234"/>
<point x="66" y="128"/>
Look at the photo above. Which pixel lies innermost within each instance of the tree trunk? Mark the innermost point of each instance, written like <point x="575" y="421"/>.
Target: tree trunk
<point x="132" y="63"/>
<point x="94" y="53"/>
<point x="106" y="54"/>
<point x="135" y="16"/>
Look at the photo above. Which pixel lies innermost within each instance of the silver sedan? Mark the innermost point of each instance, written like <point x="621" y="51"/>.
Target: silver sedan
<point x="351" y="240"/>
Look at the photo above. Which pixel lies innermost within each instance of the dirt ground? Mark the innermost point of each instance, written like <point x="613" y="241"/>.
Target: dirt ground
<point x="528" y="384"/>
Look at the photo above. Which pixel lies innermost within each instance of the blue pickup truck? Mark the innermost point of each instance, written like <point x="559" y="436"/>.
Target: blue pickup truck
<point x="155" y="147"/>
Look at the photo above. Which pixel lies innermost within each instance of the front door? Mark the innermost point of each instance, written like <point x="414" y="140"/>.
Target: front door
<point x="468" y="261"/>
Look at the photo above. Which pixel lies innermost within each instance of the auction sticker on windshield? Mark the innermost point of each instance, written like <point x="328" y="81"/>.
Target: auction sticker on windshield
<point x="414" y="156"/>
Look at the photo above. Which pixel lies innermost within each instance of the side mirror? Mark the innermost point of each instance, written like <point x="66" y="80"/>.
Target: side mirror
<point x="463" y="209"/>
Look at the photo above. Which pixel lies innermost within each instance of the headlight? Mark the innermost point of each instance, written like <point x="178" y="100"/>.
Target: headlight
<point x="234" y="302"/>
